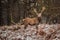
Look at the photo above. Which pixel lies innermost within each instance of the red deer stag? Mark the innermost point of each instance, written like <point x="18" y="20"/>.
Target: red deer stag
<point x="34" y="20"/>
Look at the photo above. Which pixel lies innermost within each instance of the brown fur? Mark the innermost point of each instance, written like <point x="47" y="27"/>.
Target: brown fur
<point x="34" y="20"/>
<point x="30" y="21"/>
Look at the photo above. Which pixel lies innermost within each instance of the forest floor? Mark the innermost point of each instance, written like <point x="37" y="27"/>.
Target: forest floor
<point x="18" y="32"/>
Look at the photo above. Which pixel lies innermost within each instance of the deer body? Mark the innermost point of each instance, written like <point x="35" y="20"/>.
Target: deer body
<point x="34" y="20"/>
<point x="30" y="21"/>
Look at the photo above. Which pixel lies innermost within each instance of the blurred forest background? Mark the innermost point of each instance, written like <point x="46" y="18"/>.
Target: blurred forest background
<point x="13" y="11"/>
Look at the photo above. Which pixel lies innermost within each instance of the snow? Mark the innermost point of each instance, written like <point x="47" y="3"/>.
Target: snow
<point x="17" y="32"/>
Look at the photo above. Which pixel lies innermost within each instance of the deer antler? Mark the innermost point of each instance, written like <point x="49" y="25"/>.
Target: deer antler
<point x="35" y="11"/>
<point x="39" y="14"/>
<point x="43" y="8"/>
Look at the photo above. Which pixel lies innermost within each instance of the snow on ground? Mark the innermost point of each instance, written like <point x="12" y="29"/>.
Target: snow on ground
<point x="18" y="32"/>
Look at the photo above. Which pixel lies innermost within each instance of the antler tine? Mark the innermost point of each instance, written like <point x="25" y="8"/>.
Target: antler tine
<point x="35" y="11"/>
<point x="43" y="8"/>
<point x="39" y="14"/>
